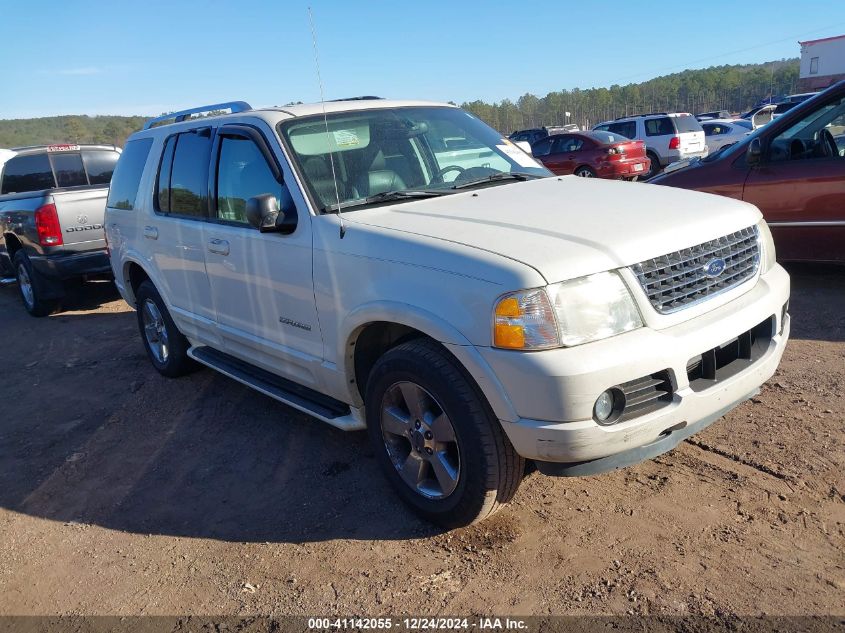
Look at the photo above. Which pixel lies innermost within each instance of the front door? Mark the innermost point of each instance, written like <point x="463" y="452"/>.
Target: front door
<point x="261" y="283"/>
<point x="800" y="186"/>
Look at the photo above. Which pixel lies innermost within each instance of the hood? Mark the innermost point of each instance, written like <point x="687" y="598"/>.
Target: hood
<point x="567" y="227"/>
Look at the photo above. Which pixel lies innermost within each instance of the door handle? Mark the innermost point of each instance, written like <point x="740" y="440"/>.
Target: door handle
<point x="216" y="245"/>
<point x="571" y="157"/>
<point x="151" y="232"/>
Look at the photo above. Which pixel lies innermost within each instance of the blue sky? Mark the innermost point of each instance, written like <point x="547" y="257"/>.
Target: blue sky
<point x="127" y="57"/>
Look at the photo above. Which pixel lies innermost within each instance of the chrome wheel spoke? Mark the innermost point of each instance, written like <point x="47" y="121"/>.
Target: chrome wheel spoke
<point x="413" y="470"/>
<point x="395" y="422"/>
<point x="413" y="397"/>
<point x="442" y="429"/>
<point x="155" y="331"/>
<point x="445" y="473"/>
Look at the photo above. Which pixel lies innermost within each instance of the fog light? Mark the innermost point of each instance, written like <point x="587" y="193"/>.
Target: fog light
<point x="608" y="406"/>
<point x="603" y="408"/>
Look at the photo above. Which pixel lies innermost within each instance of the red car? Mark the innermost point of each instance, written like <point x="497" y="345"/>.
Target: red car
<point x="793" y="169"/>
<point x="593" y="155"/>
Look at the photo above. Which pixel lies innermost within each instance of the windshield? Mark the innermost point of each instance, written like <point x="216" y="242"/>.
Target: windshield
<point x="370" y="156"/>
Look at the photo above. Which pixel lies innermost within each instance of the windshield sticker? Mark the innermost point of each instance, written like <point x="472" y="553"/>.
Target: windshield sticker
<point x="346" y="138"/>
<point x="517" y="155"/>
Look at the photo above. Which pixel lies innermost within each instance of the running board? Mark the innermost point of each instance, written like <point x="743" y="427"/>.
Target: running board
<point x="303" y="399"/>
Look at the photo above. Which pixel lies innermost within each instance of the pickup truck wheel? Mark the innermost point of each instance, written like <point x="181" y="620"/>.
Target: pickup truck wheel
<point x="166" y="346"/>
<point x="435" y="438"/>
<point x="31" y="286"/>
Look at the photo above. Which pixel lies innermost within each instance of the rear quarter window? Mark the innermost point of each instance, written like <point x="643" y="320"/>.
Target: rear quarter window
<point x="31" y="172"/>
<point x="127" y="174"/>
<point x="659" y="127"/>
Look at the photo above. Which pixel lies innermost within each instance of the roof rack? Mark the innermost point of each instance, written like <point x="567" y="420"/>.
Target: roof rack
<point x="182" y="115"/>
<point x="364" y="98"/>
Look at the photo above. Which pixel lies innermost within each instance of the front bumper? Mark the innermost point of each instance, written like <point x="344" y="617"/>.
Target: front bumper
<point x="553" y="392"/>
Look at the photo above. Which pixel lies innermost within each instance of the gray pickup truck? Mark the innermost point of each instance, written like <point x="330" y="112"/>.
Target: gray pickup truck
<point x="52" y="199"/>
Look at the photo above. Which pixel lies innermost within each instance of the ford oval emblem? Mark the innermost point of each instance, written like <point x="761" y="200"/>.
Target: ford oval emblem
<point x="714" y="267"/>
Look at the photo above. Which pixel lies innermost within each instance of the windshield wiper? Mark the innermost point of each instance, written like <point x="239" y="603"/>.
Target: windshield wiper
<point x="495" y="178"/>
<point x="385" y="196"/>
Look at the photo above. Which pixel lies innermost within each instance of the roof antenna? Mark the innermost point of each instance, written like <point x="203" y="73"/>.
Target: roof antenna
<point x="326" y="122"/>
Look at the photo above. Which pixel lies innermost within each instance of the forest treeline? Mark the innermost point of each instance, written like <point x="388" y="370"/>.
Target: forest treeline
<point x="733" y="88"/>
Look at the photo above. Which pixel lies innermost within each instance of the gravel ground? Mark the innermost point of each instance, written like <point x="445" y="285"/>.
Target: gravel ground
<point x="122" y="492"/>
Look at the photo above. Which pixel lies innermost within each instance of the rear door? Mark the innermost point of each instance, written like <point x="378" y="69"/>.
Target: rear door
<point x="800" y="186"/>
<point x="173" y="233"/>
<point x="261" y="283"/>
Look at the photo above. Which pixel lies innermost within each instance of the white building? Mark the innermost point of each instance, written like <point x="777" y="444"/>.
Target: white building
<point x="822" y="63"/>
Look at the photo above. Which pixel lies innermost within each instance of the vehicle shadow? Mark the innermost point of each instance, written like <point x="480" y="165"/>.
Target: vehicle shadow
<point x="817" y="301"/>
<point x="91" y="434"/>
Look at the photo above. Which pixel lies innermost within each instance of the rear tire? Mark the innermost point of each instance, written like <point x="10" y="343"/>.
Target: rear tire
<point x="436" y="439"/>
<point x="166" y="347"/>
<point x="585" y="172"/>
<point x="32" y="287"/>
<point x="655" y="165"/>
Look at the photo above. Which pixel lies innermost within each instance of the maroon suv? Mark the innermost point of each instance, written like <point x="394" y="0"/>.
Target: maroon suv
<point x="593" y="155"/>
<point x="793" y="169"/>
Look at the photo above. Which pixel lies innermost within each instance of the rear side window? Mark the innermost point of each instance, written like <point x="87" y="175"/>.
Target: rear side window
<point x="68" y="169"/>
<point x="628" y="129"/>
<point x="127" y="174"/>
<point x="687" y="123"/>
<point x="31" y="172"/>
<point x="183" y="180"/>
<point x="100" y="164"/>
<point x="659" y="127"/>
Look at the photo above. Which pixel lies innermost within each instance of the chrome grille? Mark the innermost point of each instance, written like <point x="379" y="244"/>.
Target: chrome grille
<point x="678" y="280"/>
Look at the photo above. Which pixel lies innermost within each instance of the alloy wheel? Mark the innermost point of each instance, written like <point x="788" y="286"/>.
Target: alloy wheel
<point x="420" y="440"/>
<point x="155" y="331"/>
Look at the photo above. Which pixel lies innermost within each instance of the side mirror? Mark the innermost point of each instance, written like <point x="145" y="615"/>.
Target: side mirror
<point x="754" y="153"/>
<point x="263" y="213"/>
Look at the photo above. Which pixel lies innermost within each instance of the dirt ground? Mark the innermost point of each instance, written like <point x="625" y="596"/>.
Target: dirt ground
<point x="122" y="492"/>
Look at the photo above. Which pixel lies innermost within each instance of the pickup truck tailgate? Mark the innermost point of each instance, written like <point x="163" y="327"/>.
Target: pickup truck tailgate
<point x="81" y="217"/>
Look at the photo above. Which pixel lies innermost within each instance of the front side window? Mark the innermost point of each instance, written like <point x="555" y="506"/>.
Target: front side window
<point x="30" y="172"/>
<point x="127" y="174"/>
<point x="389" y="152"/>
<point x="242" y="173"/>
<point x="542" y="148"/>
<point x="815" y="136"/>
<point x="68" y="169"/>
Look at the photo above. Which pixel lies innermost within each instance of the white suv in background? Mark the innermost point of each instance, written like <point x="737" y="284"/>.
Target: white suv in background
<point x="668" y="137"/>
<point x="470" y="316"/>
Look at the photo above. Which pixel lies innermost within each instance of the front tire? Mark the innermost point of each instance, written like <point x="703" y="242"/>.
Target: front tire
<point x="435" y="437"/>
<point x="166" y="346"/>
<point x="32" y="287"/>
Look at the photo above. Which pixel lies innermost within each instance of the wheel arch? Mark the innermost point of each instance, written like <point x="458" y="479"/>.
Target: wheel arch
<point x="375" y="329"/>
<point x="133" y="275"/>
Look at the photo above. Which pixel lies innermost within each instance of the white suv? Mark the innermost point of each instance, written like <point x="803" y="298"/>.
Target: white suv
<point x="470" y="316"/>
<point x="668" y="137"/>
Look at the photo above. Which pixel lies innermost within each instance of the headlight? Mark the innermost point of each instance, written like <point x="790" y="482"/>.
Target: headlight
<point x="593" y="308"/>
<point x="565" y="314"/>
<point x="767" y="246"/>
